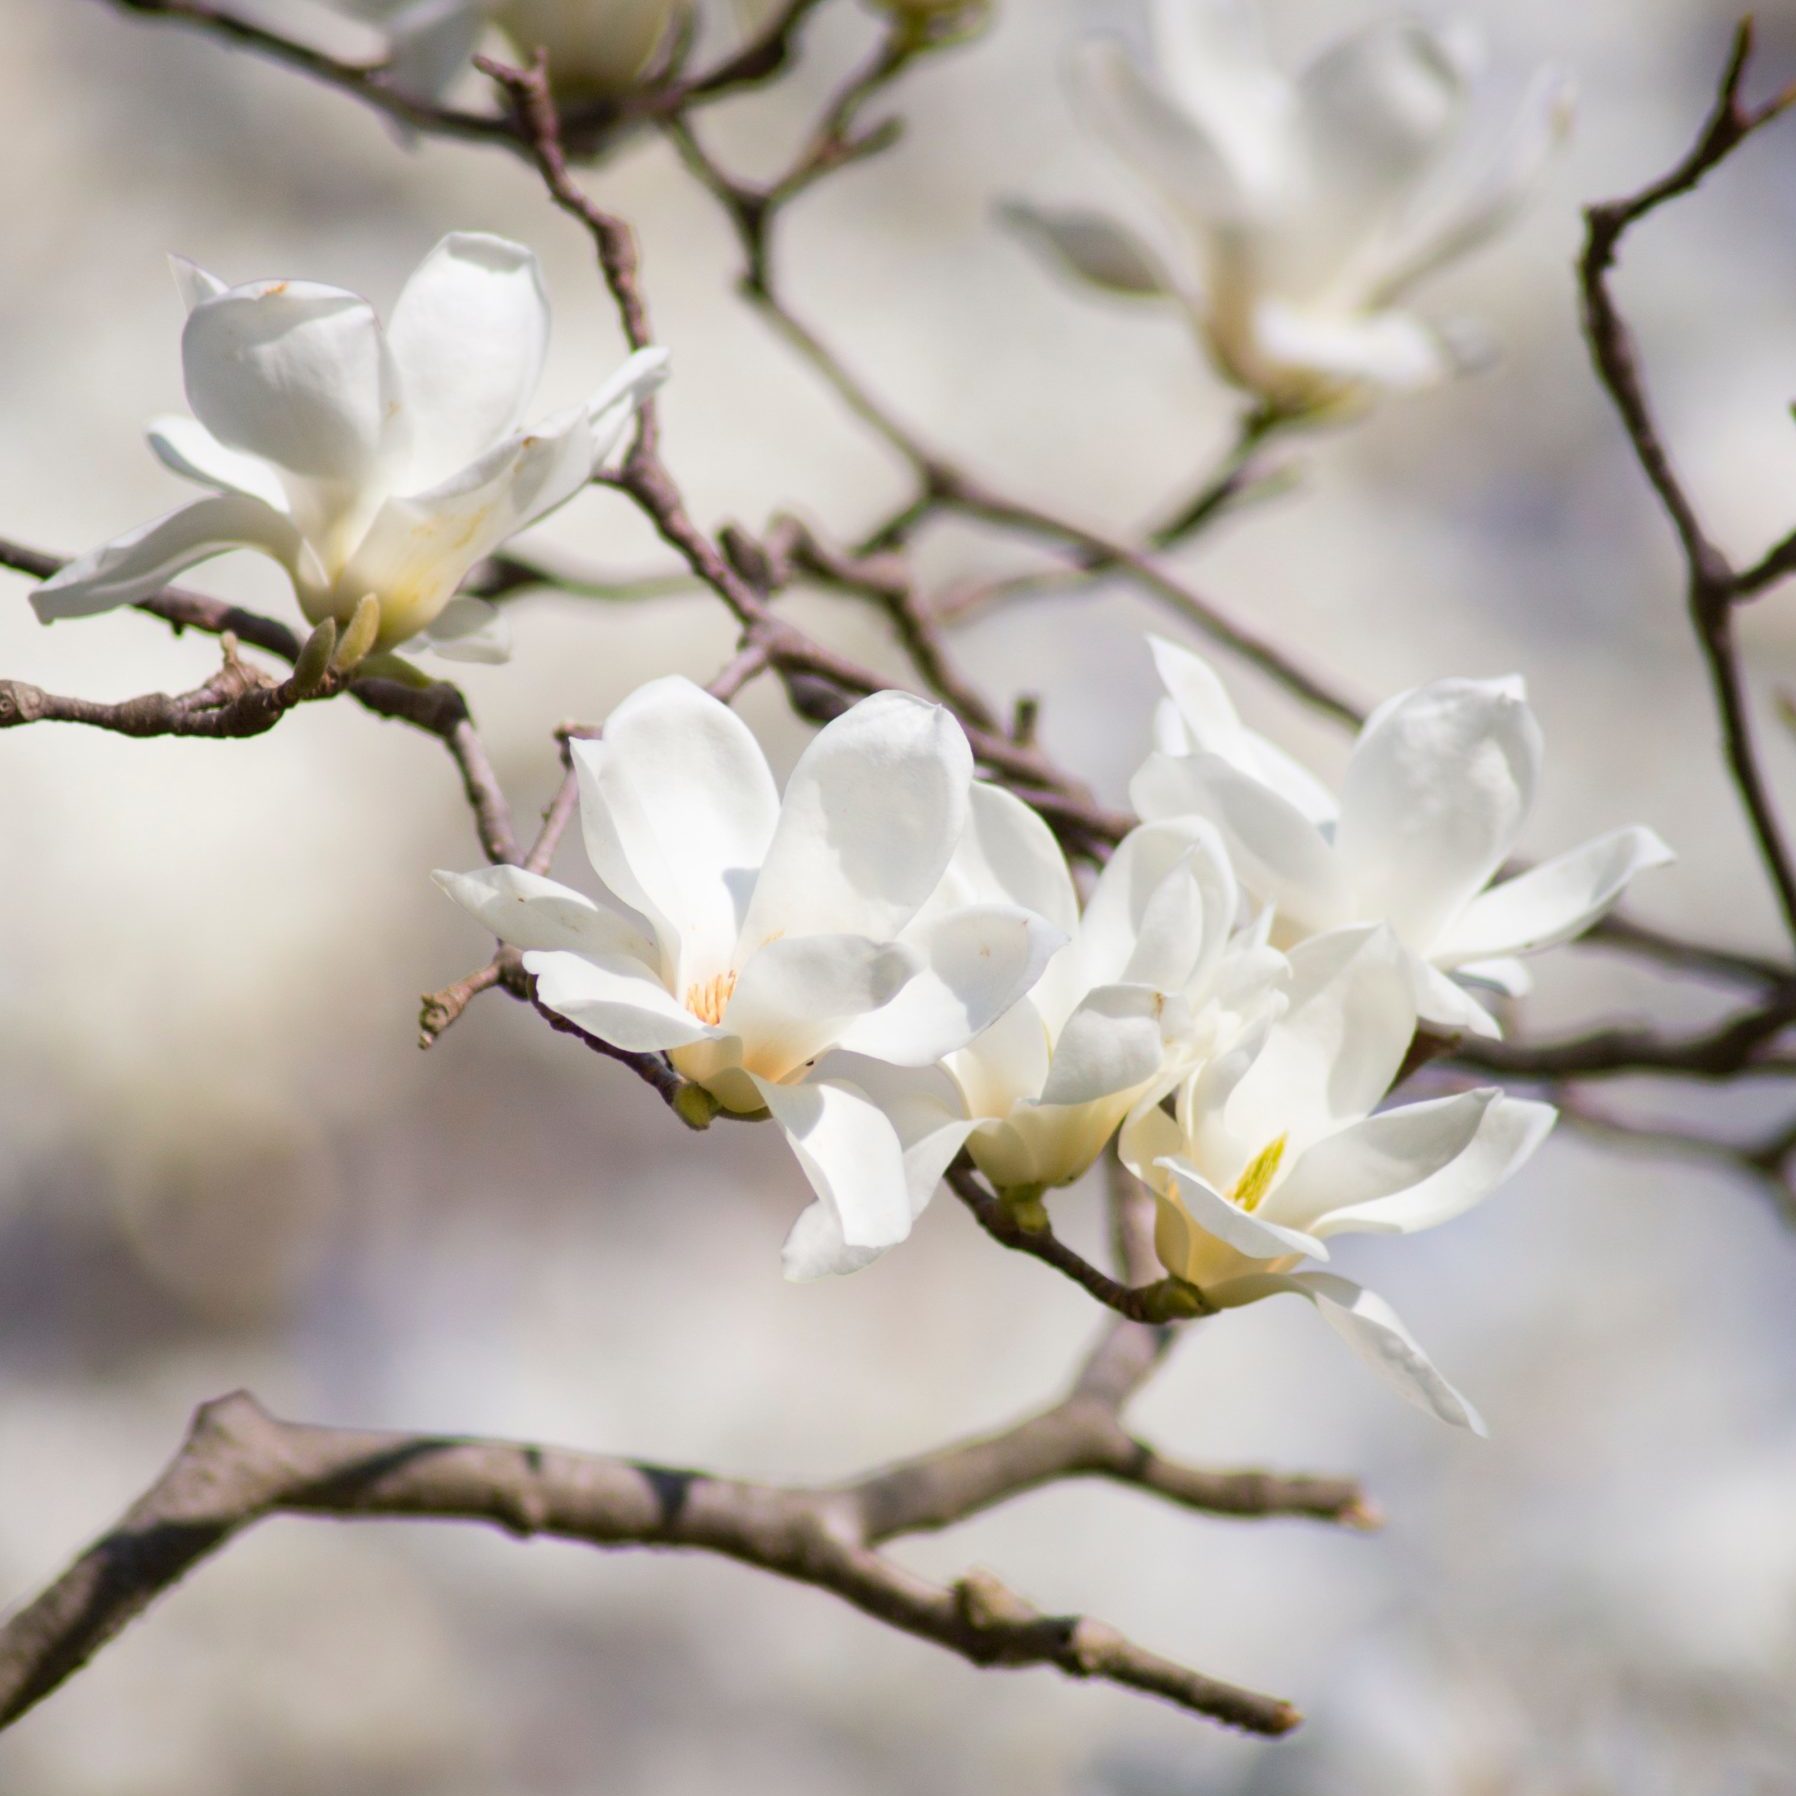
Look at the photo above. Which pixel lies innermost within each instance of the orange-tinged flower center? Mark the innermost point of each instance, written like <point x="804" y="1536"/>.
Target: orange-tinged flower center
<point x="708" y="999"/>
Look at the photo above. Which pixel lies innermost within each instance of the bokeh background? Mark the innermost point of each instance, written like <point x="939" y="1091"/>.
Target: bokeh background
<point x="224" y="1162"/>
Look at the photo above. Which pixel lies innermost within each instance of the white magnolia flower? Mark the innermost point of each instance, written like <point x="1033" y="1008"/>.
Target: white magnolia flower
<point x="1314" y="203"/>
<point x="1436" y="793"/>
<point x="1274" y="1148"/>
<point x="1149" y="972"/>
<point x="366" y="460"/>
<point x="597" y="49"/>
<point x="748" y="936"/>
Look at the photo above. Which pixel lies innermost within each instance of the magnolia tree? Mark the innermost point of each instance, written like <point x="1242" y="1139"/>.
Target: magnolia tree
<point x="1273" y="1013"/>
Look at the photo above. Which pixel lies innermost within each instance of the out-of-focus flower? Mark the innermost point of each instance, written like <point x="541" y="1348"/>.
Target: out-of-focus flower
<point x="366" y="461"/>
<point x="747" y="936"/>
<point x="1436" y="793"/>
<point x="1151" y="970"/>
<point x="597" y="49"/>
<point x="1274" y="1148"/>
<point x="1315" y="202"/>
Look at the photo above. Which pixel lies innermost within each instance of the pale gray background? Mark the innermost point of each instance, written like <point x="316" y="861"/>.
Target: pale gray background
<point x="223" y="1161"/>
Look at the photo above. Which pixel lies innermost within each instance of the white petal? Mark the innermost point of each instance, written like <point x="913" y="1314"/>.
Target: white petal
<point x="297" y="374"/>
<point x="1496" y="191"/>
<point x="1553" y="902"/>
<point x="418" y="549"/>
<point x="469" y="629"/>
<point x="1370" y="1327"/>
<point x="620" y="1002"/>
<point x="143" y="561"/>
<point x="193" y="283"/>
<point x="1089" y="245"/>
<point x="850" y="1153"/>
<point x="799" y="995"/>
<point x="1388" y="350"/>
<point x="429" y="43"/>
<point x="1435" y="795"/>
<point x="977" y="963"/>
<point x="1247" y="1233"/>
<point x="679" y="810"/>
<point x="615" y="403"/>
<point x="531" y="912"/>
<point x="1279" y="854"/>
<point x="1008" y="855"/>
<point x="1008" y="1063"/>
<point x="1377" y="116"/>
<point x="1161" y="908"/>
<point x="1413" y="1167"/>
<point x="1113" y="1042"/>
<point x="186" y="447"/>
<point x="1172" y="151"/>
<point x="1331" y="1057"/>
<point x="1211" y="725"/>
<point x="1446" y="1006"/>
<point x="468" y="334"/>
<point x="871" y="815"/>
<point x="923" y="1110"/>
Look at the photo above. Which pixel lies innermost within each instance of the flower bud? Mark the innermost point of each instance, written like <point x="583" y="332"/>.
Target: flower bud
<point x="597" y="49"/>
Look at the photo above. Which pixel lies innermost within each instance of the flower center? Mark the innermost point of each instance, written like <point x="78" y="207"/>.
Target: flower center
<point x="1262" y="1169"/>
<point x="707" y="1000"/>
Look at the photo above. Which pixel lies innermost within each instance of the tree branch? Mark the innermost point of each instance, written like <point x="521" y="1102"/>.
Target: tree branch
<point x="240" y="1465"/>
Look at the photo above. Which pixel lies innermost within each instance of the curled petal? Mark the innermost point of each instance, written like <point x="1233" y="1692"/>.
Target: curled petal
<point x="143" y="561"/>
<point x="616" y="402"/>
<point x="1413" y="1167"/>
<point x="852" y="1156"/>
<point x="531" y="912"/>
<point x="1256" y="1236"/>
<point x="1553" y="902"/>
<point x="923" y="1110"/>
<point x="1370" y="1327"/>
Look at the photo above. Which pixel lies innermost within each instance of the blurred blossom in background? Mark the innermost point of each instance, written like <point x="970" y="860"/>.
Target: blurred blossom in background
<point x="223" y="1161"/>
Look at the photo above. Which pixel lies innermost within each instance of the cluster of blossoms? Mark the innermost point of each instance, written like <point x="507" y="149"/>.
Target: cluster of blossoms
<point x="892" y="960"/>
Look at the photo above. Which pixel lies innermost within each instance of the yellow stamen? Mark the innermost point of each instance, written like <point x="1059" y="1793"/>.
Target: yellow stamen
<point x="708" y="1001"/>
<point x="1262" y="1169"/>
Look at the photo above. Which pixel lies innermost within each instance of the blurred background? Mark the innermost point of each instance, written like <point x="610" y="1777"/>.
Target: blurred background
<point x="224" y="1162"/>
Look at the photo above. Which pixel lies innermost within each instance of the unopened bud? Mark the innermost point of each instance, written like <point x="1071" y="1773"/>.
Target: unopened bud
<point x="315" y="658"/>
<point x="695" y="1106"/>
<point x="358" y="639"/>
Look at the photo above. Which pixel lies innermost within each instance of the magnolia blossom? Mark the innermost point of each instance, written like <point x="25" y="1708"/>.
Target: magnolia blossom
<point x="1152" y="969"/>
<point x="366" y="461"/>
<point x="1436" y="793"/>
<point x="597" y="49"/>
<point x="1274" y="1148"/>
<point x="750" y="937"/>
<point x="1314" y="203"/>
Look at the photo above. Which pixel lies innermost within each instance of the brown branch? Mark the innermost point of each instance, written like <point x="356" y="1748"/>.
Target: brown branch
<point x="240" y="1465"/>
<point x="1713" y="586"/>
<point x="1026" y="1230"/>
